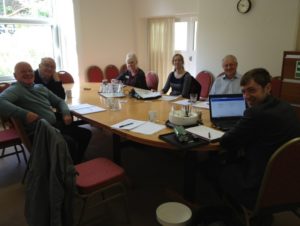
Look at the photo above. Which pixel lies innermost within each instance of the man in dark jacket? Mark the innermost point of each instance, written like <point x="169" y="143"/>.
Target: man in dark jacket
<point x="47" y="76"/>
<point x="267" y="124"/>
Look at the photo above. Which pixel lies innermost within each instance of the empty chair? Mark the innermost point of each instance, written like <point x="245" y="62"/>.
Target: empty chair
<point x="99" y="181"/>
<point x="152" y="80"/>
<point x="276" y="86"/>
<point x="205" y="78"/>
<point x="123" y="68"/>
<point x="65" y="77"/>
<point x="94" y="74"/>
<point x="111" y="72"/>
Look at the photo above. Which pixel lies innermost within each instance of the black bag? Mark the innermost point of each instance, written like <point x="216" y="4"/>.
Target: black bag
<point x="195" y="87"/>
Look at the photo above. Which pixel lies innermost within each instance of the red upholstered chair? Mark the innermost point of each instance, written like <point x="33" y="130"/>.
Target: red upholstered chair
<point x="99" y="181"/>
<point x="65" y="77"/>
<point x="3" y="86"/>
<point x="276" y="86"/>
<point x="10" y="138"/>
<point x="279" y="190"/>
<point x="123" y="68"/>
<point x="94" y="74"/>
<point x="111" y="72"/>
<point x="205" y="78"/>
<point x="152" y="80"/>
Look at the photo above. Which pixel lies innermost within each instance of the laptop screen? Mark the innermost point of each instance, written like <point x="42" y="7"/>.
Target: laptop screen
<point x="226" y="106"/>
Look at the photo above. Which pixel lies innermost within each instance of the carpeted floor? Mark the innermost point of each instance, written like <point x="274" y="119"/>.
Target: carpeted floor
<point x="152" y="174"/>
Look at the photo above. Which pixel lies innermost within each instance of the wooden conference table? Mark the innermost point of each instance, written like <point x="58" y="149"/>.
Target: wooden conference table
<point x="130" y="108"/>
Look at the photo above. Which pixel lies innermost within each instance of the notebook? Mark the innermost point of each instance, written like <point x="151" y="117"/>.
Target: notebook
<point x="226" y="110"/>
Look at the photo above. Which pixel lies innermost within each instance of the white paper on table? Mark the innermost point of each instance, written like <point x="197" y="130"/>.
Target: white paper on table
<point x="182" y="102"/>
<point x="107" y="95"/>
<point x="206" y="133"/>
<point x="128" y="124"/>
<point x="146" y="94"/>
<point x="168" y="98"/>
<point x="148" y="128"/>
<point x="202" y="104"/>
<point x="85" y="108"/>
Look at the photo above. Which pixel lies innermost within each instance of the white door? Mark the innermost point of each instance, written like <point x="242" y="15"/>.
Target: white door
<point x="185" y="42"/>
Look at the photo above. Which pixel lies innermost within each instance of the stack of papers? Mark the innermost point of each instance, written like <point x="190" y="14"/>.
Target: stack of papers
<point x="147" y="94"/>
<point x="85" y="108"/>
<point x="138" y="126"/>
<point x="206" y="133"/>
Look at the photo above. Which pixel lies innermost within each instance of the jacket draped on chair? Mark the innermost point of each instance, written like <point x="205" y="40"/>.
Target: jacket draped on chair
<point x="50" y="183"/>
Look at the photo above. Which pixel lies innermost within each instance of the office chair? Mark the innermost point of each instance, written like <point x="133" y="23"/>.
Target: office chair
<point x="279" y="190"/>
<point x="65" y="77"/>
<point x="94" y="74"/>
<point x="205" y="78"/>
<point x="152" y="80"/>
<point x="111" y="72"/>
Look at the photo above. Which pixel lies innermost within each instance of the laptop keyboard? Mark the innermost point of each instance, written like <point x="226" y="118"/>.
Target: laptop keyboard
<point x="225" y="125"/>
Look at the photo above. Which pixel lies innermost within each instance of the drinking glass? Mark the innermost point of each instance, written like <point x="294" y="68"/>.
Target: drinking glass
<point x="193" y="97"/>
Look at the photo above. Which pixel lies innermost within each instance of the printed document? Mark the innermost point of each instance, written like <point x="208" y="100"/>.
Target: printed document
<point x="85" y="108"/>
<point x="206" y="133"/>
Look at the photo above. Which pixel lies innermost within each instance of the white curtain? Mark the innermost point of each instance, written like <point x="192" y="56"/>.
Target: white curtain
<point x="161" y="47"/>
<point x="64" y="14"/>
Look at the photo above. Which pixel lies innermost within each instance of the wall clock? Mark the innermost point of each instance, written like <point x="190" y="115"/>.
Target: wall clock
<point x="243" y="6"/>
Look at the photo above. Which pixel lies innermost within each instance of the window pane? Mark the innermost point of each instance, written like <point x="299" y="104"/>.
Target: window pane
<point x="26" y="8"/>
<point x="181" y="36"/>
<point x="195" y="35"/>
<point x="21" y="42"/>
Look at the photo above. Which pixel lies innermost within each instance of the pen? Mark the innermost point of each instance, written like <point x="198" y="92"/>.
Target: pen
<point x="121" y="126"/>
<point x="209" y="135"/>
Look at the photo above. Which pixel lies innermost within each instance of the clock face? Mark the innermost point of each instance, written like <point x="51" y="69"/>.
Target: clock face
<point x="244" y="6"/>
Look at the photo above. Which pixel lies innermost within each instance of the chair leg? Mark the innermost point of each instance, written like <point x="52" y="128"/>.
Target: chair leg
<point x="24" y="153"/>
<point x="3" y="152"/>
<point x="17" y="153"/>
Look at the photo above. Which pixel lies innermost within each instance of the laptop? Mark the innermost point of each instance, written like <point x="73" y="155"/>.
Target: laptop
<point x="226" y="110"/>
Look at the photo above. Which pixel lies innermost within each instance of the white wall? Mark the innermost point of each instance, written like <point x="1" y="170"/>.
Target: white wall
<point x="105" y="32"/>
<point x="257" y="38"/>
<point x="108" y="29"/>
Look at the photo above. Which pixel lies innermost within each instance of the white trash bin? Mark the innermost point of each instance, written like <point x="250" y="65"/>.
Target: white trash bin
<point x="173" y="214"/>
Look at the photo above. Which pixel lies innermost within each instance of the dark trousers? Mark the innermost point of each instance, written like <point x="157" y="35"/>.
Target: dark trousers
<point x="226" y="174"/>
<point x="77" y="139"/>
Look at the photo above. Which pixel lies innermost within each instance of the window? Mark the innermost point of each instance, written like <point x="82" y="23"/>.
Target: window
<point x="181" y="29"/>
<point x="185" y="41"/>
<point x="27" y="33"/>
